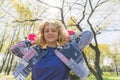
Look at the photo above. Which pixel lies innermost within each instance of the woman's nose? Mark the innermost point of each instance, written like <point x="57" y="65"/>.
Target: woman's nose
<point x="50" y="32"/>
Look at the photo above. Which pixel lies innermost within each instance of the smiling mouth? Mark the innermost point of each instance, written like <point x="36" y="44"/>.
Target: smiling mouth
<point x="50" y="37"/>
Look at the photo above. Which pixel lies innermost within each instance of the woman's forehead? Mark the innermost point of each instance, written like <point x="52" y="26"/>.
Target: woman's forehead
<point x="50" y="27"/>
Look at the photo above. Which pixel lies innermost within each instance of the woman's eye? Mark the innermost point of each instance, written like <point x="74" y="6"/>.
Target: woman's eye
<point x="53" y="30"/>
<point x="46" y="31"/>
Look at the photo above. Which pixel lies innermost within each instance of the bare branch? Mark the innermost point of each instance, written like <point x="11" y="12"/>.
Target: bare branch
<point x="75" y="3"/>
<point x="91" y="5"/>
<point x="48" y="4"/>
<point x="102" y="3"/>
<point x="97" y="3"/>
<point x="8" y="13"/>
<point x="32" y="20"/>
<point x="43" y="12"/>
<point x="83" y="13"/>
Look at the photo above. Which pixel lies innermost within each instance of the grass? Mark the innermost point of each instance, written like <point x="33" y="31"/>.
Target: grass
<point x="6" y="77"/>
<point x="111" y="76"/>
<point x="106" y="76"/>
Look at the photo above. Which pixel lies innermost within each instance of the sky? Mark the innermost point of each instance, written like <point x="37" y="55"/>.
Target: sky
<point x="106" y="36"/>
<point x="109" y="37"/>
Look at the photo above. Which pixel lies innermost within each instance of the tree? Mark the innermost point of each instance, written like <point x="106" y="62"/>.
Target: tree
<point x="116" y="57"/>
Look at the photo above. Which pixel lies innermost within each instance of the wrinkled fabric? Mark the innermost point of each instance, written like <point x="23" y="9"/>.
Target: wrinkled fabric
<point x="50" y="67"/>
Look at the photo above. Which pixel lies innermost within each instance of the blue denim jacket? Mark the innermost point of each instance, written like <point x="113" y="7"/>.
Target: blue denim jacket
<point x="70" y="54"/>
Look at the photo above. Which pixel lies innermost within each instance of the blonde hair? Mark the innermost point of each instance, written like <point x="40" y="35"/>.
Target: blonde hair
<point x="62" y="33"/>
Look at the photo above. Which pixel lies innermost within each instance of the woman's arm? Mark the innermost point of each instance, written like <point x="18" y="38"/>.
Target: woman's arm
<point x="20" y="48"/>
<point x="84" y="39"/>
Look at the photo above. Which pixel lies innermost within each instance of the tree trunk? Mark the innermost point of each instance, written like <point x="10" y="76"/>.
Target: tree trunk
<point x="97" y="72"/>
<point x="11" y="62"/>
<point x="4" y="60"/>
<point x="7" y="62"/>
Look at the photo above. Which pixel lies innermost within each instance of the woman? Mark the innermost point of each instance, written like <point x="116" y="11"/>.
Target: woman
<point x="51" y="34"/>
<point x="54" y="56"/>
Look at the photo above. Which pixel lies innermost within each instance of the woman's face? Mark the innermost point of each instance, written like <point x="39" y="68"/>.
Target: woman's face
<point x="50" y="34"/>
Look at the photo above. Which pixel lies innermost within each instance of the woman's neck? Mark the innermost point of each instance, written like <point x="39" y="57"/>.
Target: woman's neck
<point x="54" y="45"/>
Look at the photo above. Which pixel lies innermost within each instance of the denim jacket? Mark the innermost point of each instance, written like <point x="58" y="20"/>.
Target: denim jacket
<point x="70" y="54"/>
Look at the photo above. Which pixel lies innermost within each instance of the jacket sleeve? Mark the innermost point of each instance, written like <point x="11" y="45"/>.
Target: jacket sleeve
<point x="20" y="48"/>
<point x="29" y="59"/>
<point x="84" y="39"/>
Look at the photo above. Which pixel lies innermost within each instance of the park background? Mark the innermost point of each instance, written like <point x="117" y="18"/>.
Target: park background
<point x="18" y="18"/>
